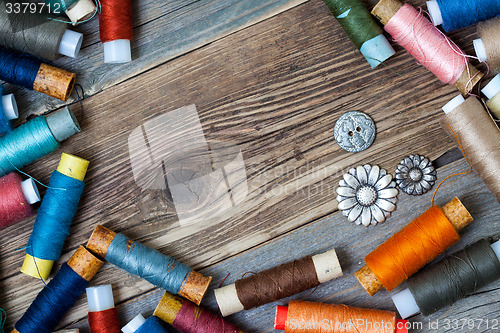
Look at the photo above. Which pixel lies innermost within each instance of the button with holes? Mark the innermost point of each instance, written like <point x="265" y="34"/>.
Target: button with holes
<point x="354" y="131"/>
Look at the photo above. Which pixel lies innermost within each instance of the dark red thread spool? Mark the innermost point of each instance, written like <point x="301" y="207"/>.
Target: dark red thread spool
<point x="103" y="317"/>
<point x="115" y="28"/>
<point x="16" y="198"/>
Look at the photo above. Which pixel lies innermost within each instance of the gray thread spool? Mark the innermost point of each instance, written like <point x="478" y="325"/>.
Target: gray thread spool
<point x="38" y="35"/>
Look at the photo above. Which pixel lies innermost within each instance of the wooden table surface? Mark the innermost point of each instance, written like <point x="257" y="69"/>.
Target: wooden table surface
<point x="270" y="77"/>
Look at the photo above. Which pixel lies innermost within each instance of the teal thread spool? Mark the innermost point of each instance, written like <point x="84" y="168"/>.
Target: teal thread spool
<point x="76" y="10"/>
<point x="35" y="139"/>
<point x="361" y="29"/>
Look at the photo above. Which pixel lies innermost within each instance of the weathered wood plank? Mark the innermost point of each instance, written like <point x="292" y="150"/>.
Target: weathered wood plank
<point x="332" y="232"/>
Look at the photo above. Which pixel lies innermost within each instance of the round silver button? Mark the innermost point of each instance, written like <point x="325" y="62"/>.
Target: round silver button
<point x="354" y="131"/>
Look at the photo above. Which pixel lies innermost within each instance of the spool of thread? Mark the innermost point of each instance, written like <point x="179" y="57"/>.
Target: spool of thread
<point x="35" y="139"/>
<point x="76" y="10"/>
<point x="59" y="294"/>
<point x="492" y="92"/>
<point x="189" y="318"/>
<point x="427" y="44"/>
<point x="478" y="135"/>
<point x="16" y="198"/>
<point x="31" y="73"/>
<point x="115" y="29"/>
<point x="278" y="282"/>
<point x="103" y="317"/>
<point x="54" y="217"/>
<point x="362" y="30"/>
<point x="455" y="277"/>
<point x="34" y="34"/>
<point x="140" y="325"/>
<point x="308" y="317"/>
<point x="157" y="268"/>
<point x="8" y="112"/>
<point x="487" y="47"/>
<point x="457" y="14"/>
<point x="417" y="244"/>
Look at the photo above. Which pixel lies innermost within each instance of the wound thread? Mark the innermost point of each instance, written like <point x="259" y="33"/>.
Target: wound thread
<point x="152" y="325"/>
<point x="456" y="276"/>
<point x="105" y="321"/>
<point x="459" y="14"/>
<point x="412" y="248"/>
<point x="14" y="206"/>
<point x="115" y="20"/>
<point x="427" y="44"/>
<point x="18" y="68"/>
<point x="489" y="32"/>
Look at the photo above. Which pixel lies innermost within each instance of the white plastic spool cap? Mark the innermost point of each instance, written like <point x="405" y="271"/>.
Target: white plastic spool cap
<point x="71" y="43"/>
<point x="10" y="107"/>
<point x="134" y="324"/>
<point x="30" y="191"/>
<point x="435" y="12"/>
<point x="117" y="51"/>
<point x="480" y="50"/>
<point x="100" y="298"/>
<point x="492" y="88"/>
<point x="451" y="105"/>
<point x="496" y="247"/>
<point x="405" y="303"/>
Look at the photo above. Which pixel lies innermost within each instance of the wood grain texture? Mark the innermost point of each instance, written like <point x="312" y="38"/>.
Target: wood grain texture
<point x="273" y="89"/>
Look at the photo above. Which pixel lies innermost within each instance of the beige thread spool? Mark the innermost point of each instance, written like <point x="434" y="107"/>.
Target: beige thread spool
<point x="487" y="47"/>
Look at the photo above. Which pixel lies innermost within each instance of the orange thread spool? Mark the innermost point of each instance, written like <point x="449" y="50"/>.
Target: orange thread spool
<point x="412" y="248"/>
<point x="309" y="317"/>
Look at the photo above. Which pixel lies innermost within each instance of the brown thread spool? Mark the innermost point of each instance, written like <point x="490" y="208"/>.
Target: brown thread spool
<point x="278" y="282"/>
<point x="457" y="215"/>
<point x="386" y="9"/>
<point x="54" y="82"/>
<point x="194" y="285"/>
<point x="479" y="137"/>
<point x="488" y="46"/>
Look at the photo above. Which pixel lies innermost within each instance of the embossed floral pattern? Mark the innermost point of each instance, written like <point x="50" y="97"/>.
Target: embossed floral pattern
<point x="415" y="175"/>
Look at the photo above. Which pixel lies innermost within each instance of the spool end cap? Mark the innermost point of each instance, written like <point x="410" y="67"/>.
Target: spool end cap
<point x="377" y="50"/>
<point x="435" y="12"/>
<point x="73" y="166"/>
<point x="30" y="191"/>
<point x="496" y="247"/>
<point x="480" y="49"/>
<point x="63" y="124"/>
<point x="37" y="268"/>
<point x="134" y="324"/>
<point x="71" y="43"/>
<point x="10" y="107"/>
<point x="405" y="303"/>
<point x="492" y="88"/>
<point x="100" y="298"/>
<point x="401" y="326"/>
<point x="117" y="51"/>
<point x="281" y="317"/>
<point x="451" y="105"/>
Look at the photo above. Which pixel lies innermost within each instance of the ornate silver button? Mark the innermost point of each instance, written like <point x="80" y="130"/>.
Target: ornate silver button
<point x="354" y="131"/>
<point x="415" y="175"/>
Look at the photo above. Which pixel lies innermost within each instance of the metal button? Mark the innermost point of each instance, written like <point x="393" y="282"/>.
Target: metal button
<point x="354" y="131"/>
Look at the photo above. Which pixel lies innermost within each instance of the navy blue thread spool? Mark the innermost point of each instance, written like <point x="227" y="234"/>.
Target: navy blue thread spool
<point x="59" y="294"/>
<point x="157" y="268"/>
<point x="27" y="71"/>
<point x="35" y="139"/>
<point x="140" y="325"/>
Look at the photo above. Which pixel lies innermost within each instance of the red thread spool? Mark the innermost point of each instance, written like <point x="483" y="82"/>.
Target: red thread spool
<point x="115" y="29"/>
<point x="103" y="317"/>
<point x="16" y="198"/>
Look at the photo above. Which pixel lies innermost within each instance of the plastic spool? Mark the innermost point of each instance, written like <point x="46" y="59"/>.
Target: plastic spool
<point x="492" y="88"/>
<point x="63" y="124"/>
<point x="30" y="191"/>
<point x="10" y="107"/>
<point x="435" y="12"/>
<point x="377" y="50"/>
<point x="405" y="302"/>
<point x="134" y="324"/>
<point x="100" y="298"/>
<point x="81" y="10"/>
<point x="71" y="43"/>
<point x="480" y="49"/>
<point x="117" y="51"/>
<point x="451" y="105"/>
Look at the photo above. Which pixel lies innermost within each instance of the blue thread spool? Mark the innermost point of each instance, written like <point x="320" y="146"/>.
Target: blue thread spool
<point x="35" y="139"/>
<point x="140" y="325"/>
<point x="60" y="293"/>
<point x="27" y="71"/>
<point x="457" y="14"/>
<point x="8" y="112"/>
<point x="155" y="267"/>
<point x="54" y="216"/>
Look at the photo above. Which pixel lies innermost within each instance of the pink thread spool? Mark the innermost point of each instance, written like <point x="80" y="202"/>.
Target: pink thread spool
<point x="16" y="198"/>
<point x="434" y="50"/>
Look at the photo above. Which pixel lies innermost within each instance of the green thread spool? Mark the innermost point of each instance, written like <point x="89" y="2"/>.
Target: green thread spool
<point x="361" y="29"/>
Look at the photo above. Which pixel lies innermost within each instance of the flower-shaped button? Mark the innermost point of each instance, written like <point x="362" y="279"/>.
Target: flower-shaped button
<point x="367" y="195"/>
<point x="415" y="175"/>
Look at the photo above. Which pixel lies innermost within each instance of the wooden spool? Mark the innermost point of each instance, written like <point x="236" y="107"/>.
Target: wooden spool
<point x="54" y="82"/>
